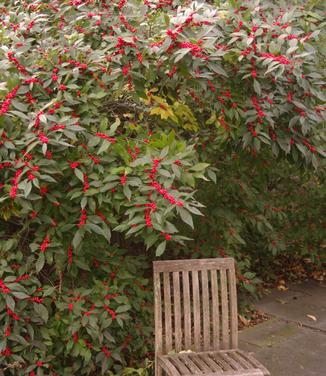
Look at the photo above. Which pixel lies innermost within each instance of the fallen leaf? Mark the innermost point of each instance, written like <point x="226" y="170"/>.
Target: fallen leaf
<point x="281" y="285"/>
<point x="282" y="288"/>
<point x="312" y="317"/>
<point x="244" y="320"/>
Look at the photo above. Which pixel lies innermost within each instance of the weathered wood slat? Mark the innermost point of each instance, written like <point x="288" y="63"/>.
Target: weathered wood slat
<point x="180" y="365"/>
<point x="167" y="312"/>
<point x="168" y="366"/>
<point x="196" y="309"/>
<point x="190" y="265"/>
<point x="249" y="372"/>
<point x="158" y="313"/>
<point x="186" y="310"/>
<point x="253" y="361"/>
<point x="221" y="362"/>
<point x="240" y="359"/>
<point x="206" y="311"/>
<point x="190" y="364"/>
<point x="177" y="311"/>
<point x="233" y="308"/>
<point x="229" y="360"/>
<point x="210" y="362"/>
<point x="225" y="310"/>
<point x="200" y="363"/>
<point x="215" y="313"/>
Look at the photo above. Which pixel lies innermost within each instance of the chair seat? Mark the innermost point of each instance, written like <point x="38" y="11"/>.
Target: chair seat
<point x="212" y="363"/>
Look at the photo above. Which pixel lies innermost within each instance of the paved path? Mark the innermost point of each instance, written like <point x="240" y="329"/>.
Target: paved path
<point x="291" y="343"/>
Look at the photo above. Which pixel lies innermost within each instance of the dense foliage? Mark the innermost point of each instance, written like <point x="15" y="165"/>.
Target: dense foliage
<point x="261" y="213"/>
<point x="112" y="114"/>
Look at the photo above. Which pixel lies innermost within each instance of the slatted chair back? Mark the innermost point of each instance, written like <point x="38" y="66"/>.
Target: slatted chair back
<point x="195" y="305"/>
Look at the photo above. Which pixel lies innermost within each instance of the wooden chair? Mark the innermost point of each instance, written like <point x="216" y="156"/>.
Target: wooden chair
<point x="196" y="309"/>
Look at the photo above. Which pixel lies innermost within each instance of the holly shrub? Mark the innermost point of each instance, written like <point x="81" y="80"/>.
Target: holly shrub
<point x="113" y="114"/>
<point x="75" y="326"/>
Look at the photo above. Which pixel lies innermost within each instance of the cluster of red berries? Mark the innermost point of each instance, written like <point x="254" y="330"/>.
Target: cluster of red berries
<point x="70" y="254"/>
<point x="43" y="138"/>
<point x="6" y="103"/>
<point x="14" y="187"/>
<point x="45" y="244"/>
<point x="147" y="216"/>
<point x="83" y="218"/>
<point x="86" y="183"/>
<point x="106" y="137"/>
<point x="5" y="289"/>
<point x="14" y="60"/>
<point x="280" y="59"/>
<point x="260" y="112"/>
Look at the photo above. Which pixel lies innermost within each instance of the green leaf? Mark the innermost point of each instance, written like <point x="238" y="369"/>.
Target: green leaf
<point x="27" y="189"/>
<point x="104" y="124"/>
<point x="82" y="265"/>
<point x="123" y="308"/>
<point x="105" y="145"/>
<point x="114" y="126"/>
<point x="19" y="295"/>
<point x="186" y="217"/>
<point x="17" y="338"/>
<point x="40" y="262"/>
<point x="161" y="248"/>
<point x="20" y="106"/>
<point x="194" y="210"/>
<point x="95" y="228"/>
<point x="99" y="95"/>
<point x="78" y="237"/>
<point x="10" y="302"/>
<point x="164" y="152"/>
<point x="127" y="192"/>
<point x="41" y="310"/>
<point x="79" y="174"/>
<point x="212" y="175"/>
<point x="119" y="321"/>
<point x="49" y="291"/>
<point x="199" y="167"/>
<point x="257" y="87"/>
<point x="218" y="69"/>
<point x="181" y="53"/>
<point x="249" y="275"/>
<point x="250" y="288"/>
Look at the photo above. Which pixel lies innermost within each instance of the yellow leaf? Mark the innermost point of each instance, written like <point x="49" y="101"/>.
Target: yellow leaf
<point x="186" y="118"/>
<point x="160" y="112"/>
<point x="244" y="321"/>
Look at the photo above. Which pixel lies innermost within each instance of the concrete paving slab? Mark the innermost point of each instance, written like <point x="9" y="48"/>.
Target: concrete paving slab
<point x="269" y="333"/>
<point x="301" y="353"/>
<point x="301" y="303"/>
<point x="309" y="287"/>
<point x="290" y="343"/>
<point x="284" y="296"/>
<point x="297" y="311"/>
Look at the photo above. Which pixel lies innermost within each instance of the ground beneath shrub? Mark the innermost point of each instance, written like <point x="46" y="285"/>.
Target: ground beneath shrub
<point x="294" y="269"/>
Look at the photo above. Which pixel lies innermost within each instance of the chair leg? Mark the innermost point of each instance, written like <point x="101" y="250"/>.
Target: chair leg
<point x="158" y="369"/>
